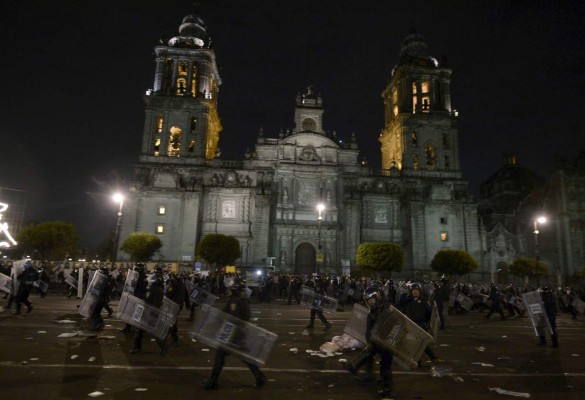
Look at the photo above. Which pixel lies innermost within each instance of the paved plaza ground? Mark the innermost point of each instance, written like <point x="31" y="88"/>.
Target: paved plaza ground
<point x="482" y="354"/>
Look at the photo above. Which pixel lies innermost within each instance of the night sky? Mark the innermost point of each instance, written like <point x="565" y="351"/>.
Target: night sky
<point x="73" y="74"/>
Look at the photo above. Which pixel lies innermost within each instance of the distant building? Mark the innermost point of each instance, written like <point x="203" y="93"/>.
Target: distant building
<point x="183" y="190"/>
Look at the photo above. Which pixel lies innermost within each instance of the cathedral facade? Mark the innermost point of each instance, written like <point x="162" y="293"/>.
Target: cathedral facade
<point x="301" y="198"/>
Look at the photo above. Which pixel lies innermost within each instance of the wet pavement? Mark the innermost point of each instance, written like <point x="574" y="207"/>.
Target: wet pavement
<point x="479" y="359"/>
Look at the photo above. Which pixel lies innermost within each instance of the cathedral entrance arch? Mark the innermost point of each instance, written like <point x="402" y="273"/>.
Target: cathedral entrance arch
<point x="305" y="259"/>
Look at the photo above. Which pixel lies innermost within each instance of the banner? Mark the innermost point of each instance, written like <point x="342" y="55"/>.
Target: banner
<point x="221" y="330"/>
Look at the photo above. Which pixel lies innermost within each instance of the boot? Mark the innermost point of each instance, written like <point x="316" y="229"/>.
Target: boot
<point x="260" y="379"/>
<point x="541" y="341"/>
<point x="555" y="340"/>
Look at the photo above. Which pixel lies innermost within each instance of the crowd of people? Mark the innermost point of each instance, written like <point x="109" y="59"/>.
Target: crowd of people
<point x="414" y="299"/>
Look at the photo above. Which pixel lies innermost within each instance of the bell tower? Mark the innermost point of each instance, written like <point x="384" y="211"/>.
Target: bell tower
<point x="420" y="136"/>
<point x="181" y="118"/>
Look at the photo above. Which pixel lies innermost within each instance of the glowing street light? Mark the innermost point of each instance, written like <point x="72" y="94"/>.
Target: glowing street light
<point x="118" y="198"/>
<point x="539" y="220"/>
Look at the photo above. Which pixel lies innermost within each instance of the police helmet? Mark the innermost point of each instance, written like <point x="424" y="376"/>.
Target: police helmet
<point x="372" y="296"/>
<point x="139" y="267"/>
<point x="545" y="290"/>
<point x="158" y="270"/>
<point x="103" y="269"/>
<point x="237" y="284"/>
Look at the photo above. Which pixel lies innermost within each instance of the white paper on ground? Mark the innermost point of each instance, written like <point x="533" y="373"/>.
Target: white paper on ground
<point x="96" y="394"/>
<point x="68" y="334"/>
<point x="510" y="393"/>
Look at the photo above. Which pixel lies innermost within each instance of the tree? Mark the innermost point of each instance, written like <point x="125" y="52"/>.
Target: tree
<point x="453" y="262"/>
<point x="219" y="249"/>
<point x="527" y="267"/>
<point x="141" y="246"/>
<point x="50" y="240"/>
<point x="379" y="258"/>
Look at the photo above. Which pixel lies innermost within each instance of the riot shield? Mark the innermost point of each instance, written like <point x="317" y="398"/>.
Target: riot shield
<point x="92" y="296"/>
<point x="199" y="295"/>
<point x="435" y="322"/>
<point x="150" y="319"/>
<point x="579" y="305"/>
<point x="452" y="298"/>
<point x="170" y="308"/>
<point x="220" y="330"/>
<point x="321" y="302"/>
<point x="131" y="282"/>
<point x="397" y="333"/>
<point x="5" y="283"/>
<point x="465" y="301"/>
<point x="43" y="286"/>
<point x="71" y="281"/>
<point x="517" y="302"/>
<point x="400" y="291"/>
<point x="536" y="311"/>
<point x="356" y="324"/>
<point x="17" y="269"/>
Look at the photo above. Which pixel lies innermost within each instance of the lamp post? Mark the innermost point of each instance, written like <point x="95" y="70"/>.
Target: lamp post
<point x="539" y="220"/>
<point x="118" y="198"/>
<point x="320" y="208"/>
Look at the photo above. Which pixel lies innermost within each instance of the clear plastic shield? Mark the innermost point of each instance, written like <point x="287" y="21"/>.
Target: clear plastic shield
<point x="579" y="305"/>
<point x="131" y="282"/>
<point x="71" y="281"/>
<point x="150" y="319"/>
<point x="200" y="295"/>
<point x="43" y="286"/>
<point x="170" y="308"/>
<point x="536" y="311"/>
<point x="518" y="303"/>
<point x="397" y="333"/>
<point x="220" y="330"/>
<point x="465" y="301"/>
<point x="435" y="322"/>
<point x="452" y="298"/>
<point x="92" y="296"/>
<point x="321" y="302"/>
<point x="17" y="269"/>
<point x="5" y="283"/>
<point x="356" y="324"/>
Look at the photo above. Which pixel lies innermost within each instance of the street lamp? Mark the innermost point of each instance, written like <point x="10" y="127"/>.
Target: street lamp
<point x="539" y="220"/>
<point x="118" y="198"/>
<point x="320" y="208"/>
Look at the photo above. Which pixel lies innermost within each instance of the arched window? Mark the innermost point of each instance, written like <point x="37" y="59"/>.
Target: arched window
<point x="415" y="161"/>
<point x="194" y="81"/>
<point x="414" y="139"/>
<point x="191" y="147"/>
<point x="174" y="148"/>
<point x="181" y="86"/>
<point x="430" y="156"/>
<point x="159" y="123"/>
<point x="157" y="147"/>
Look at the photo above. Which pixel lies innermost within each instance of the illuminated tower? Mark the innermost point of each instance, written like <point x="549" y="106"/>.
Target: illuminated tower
<point x="420" y="135"/>
<point x="181" y="109"/>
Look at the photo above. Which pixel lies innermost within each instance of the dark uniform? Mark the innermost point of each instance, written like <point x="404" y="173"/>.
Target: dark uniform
<point x="496" y="297"/>
<point x="139" y="290"/>
<point x="176" y="292"/>
<point x="26" y="280"/>
<point x="319" y="287"/>
<point x="154" y="296"/>
<point x="103" y="296"/>
<point x="239" y="307"/>
<point x="373" y="299"/>
<point x="550" y="308"/>
<point x="418" y="309"/>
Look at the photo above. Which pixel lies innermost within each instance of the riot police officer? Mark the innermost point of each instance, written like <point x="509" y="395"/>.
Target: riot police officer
<point x="26" y="280"/>
<point x="319" y="286"/>
<point x="550" y="308"/>
<point x="104" y="293"/>
<point x="373" y="299"/>
<point x="139" y="290"/>
<point x="176" y="292"/>
<point x="239" y="307"/>
<point x="154" y="296"/>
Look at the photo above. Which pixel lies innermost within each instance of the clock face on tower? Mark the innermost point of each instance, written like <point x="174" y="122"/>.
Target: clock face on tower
<point x="309" y="124"/>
